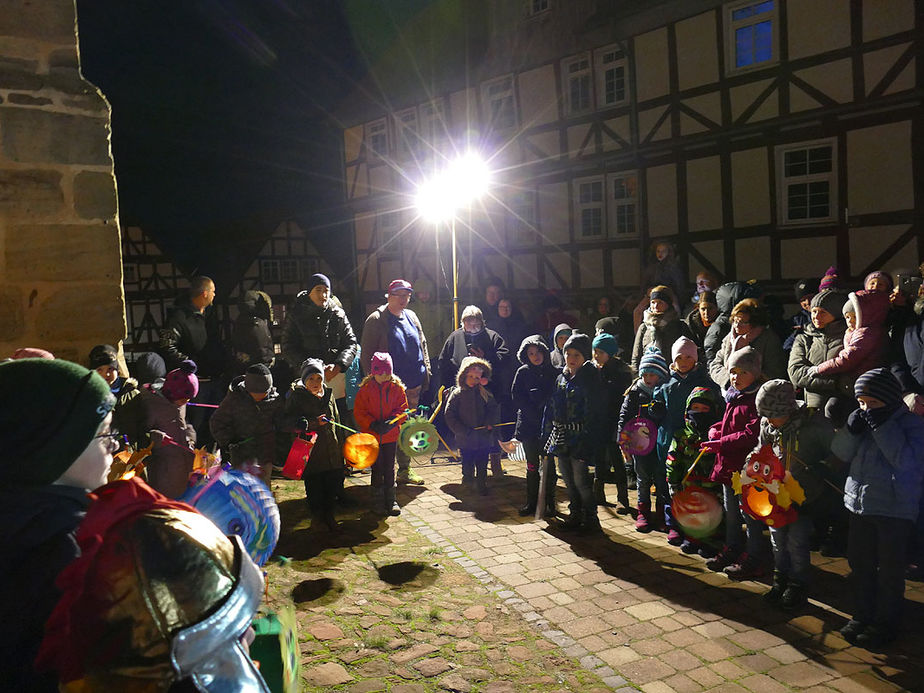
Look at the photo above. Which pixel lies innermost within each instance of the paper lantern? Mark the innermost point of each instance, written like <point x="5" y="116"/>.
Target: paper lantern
<point x="128" y="463"/>
<point x="639" y="436"/>
<point x="418" y="438"/>
<point x="361" y="450"/>
<point x="238" y="503"/>
<point x="298" y="455"/>
<point x="768" y="490"/>
<point x="697" y="511"/>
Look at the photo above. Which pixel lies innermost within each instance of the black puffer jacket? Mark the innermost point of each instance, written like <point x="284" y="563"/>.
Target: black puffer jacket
<point x="532" y="387"/>
<point x="320" y="332"/>
<point x="251" y="337"/>
<point x="246" y="428"/>
<point x="37" y="533"/>
<point x="616" y="377"/>
<point x="189" y="334"/>
<point x="727" y="297"/>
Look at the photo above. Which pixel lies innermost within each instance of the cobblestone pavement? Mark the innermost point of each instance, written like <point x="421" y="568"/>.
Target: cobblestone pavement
<point x="632" y="611"/>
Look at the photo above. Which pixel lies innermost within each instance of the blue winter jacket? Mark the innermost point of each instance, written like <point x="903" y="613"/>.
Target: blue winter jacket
<point x="673" y="398"/>
<point x="886" y="469"/>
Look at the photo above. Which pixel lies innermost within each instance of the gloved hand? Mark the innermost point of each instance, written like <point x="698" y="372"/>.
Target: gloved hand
<point x="656" y="410"/>
<point x="710" y="446"/>
<point x="380" y="427"/>
<point x="856" y="423"/>
<point x="876" y="417"/>
<point x="302" y="424"/>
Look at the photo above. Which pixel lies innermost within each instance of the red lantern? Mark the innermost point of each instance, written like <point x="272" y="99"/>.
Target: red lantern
<point x="298" y="455"/>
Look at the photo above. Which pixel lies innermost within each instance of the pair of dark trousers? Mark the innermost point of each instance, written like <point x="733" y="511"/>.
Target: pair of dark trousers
<point x="322" y="488"/>
<point x="413" y="399"/>
<point x="475" y="462"/>
<point x="876" y="553"/>
<point x="580" y="485"/>
<point x="383" y="471"/>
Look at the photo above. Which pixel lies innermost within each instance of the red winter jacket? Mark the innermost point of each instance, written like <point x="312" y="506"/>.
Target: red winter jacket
<point x="864" y="347"/>
<point x="737" y="434"/>
<point x="379" y="402"/>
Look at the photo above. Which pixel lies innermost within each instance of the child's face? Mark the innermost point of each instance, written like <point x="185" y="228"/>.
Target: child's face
<point x="314" y="383"/>
<point x="878" y="284"/>
<point x="561" y="339"/>
<point x="109" y="374"/>
<point x="657" y="305"/>
<point x="382" y="377"/>
<point x="867" y="402"/>
<point x="741" y="379"/>
<point x="535" y="355"/>
<point x="574" y="359"/>
<point x="806" y="303"/>
<point x="851" y="320"/>
<point x="651" y="379"/>
<point x="777" y="421"/>
<point x="600" y="356"/>
<point x="699" y="407"/>
<point x="473" y="376"/>
<point x="684" y="363"/>
<point x="821" y="318"/>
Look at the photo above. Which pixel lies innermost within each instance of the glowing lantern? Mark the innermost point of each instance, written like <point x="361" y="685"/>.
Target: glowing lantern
<point x="361" y="450"/>
<point x="697" y="511"/>
<point x="768" y="490"/>
<point x="298" y="457"/>
<point x="418" y="437"/>
<point x="128" y="463"/>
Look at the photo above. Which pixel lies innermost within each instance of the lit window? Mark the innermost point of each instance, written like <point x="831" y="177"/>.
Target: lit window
<point x="377" y="138"/>
<point x="751" y="34"/>
<point x="522" y="218"/>
<point x="500" y="108"/>
<point x="622" y="204"/>
<point x="807" y="183"/>
<point x="578" y="96"/>
<point x="406" y="129"/>
<point x="611" y="77"/>
<point x="589" y="208"/>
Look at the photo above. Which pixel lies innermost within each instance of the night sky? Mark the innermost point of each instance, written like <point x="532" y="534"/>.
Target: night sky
<point x="221" y="117"/>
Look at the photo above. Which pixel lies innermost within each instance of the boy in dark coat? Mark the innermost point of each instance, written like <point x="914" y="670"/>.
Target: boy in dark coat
<point x="532" y="387"/>
<point x="471" y="414"/>
<point x="616" y="378"/>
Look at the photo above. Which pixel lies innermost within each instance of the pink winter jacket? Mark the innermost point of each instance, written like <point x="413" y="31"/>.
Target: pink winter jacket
<point x="864" y="347"/>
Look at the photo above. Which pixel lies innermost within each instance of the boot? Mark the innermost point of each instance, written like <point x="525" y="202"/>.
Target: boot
<point x="482" y="481"/>
<point x="532" y="494"/>
<point x="497" y="469"/>
<point x="631" y="479"/>
<point x="391" y="506"/>
<point x="591" y="525"/>
<point x="777" y="590"/>
<point x="572" y="522"/>
<point x="622" y="496"/>
<point x="746" y="568"/>
<point x="794" y="597"/>
<point x="658" y="518"/>
<point x="642" y="521"/>
<point x="599" y="491"/>
<point x="724" y="558"/>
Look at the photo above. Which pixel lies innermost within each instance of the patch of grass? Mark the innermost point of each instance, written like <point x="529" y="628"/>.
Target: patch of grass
<point x="404" y="613"/>
<point x="433" y="550"/>
<point x="375" y="642"/>
<point x="434" y="614"/>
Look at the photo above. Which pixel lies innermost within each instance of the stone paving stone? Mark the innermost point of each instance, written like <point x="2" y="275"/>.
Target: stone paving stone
<point x="713" y="629"/>
<point x="705" y="677"/>
<point x="864" y="682"/>
<point x="728" y="670"/>
<point x="582" y="627"/>
<point x="650" y="610"/>
<point x="652" y="646"/>
<point x="561" y="599"/>
<point x="585" y="608"/>
<point x="756" y="640"/>
<point x="593" y="643"/>
<point x="757" y="662"/>
<point x="617" y="657"/>
<point x="761" y="683"/>
<point x="667" y="623"/>
<point x="714" y="650"/>
<point x="680" y="660"/>
<point x="657" y="687"/>
<point x="535" y="589"/>
<point x="681" y="683"/>
<point x="645" y="670"/>
<point x="801" y="674"/>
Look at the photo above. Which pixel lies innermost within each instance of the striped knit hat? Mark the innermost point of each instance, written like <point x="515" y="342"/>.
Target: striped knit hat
<point x="881" y="384"/>
<point x="830" y="280"/>
<point x="653" y="362"/>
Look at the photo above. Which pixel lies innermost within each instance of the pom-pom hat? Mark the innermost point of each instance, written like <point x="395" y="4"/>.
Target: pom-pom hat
<point x="181" y="383"/>
<point x="653" y="362"/>
<point x="381" y="364"/>
<point x="258" y="379"/>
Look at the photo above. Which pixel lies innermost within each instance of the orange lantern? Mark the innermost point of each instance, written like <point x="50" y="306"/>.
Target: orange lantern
<point x="768" y="490"/>
<point x="361" y="450"/>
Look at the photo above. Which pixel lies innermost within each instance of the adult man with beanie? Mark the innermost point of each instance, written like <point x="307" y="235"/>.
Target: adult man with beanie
<point x="394" y="328"/>
<point x="56" y="448"/>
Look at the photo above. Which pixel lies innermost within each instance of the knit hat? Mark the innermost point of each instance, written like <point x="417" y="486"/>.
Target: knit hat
<point x="610" y="325"/>
<point x="32" y="353"/>
<point x="103" y="355"/>
<point x="830" y="300"/>
<point x="258" y="379"/>
<point x="685" y="346"/>
<point x="805" y="287"/>
<point x="878" y="383"/>
<point x="776" y="399"/>
<point x="653" y="362"/>
<point x="181" y="383"/>
<point x="878" y="274"/>
<point x="318" y="279"/>
<point x="662" y="293"/>
<point x="400" y="285"/>
<point x="310" y="366"/>
<point x="581" y="342"/>
<point x="607" y="343"/>
<point x="830" y="280"/>
<point x="747" y="359"/>
<point x="52" y="409"/>
<point x="381" y="363"/>
<point x="149" y="367"/>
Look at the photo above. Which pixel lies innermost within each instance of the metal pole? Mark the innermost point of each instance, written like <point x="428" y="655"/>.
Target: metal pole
<point x="455" y="279"/>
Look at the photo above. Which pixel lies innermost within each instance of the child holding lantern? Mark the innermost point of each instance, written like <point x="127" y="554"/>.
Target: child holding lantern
<point x="380" y="402"/>
<point x="471" y="413"/>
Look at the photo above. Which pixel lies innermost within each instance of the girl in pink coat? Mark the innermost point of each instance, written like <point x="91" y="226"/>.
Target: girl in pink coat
<point x="866" y="338"/>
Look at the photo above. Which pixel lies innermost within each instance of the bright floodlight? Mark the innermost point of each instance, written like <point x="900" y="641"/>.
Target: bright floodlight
<point x="464" y="180"/>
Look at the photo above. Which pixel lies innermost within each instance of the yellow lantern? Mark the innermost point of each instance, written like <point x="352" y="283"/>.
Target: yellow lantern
<point x="361" y="450"/>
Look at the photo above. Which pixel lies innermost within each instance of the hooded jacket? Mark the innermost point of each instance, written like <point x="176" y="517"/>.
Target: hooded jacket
<point x="811" y="348"/>
<point x="865" y="346"/>
<point x="169" y="465"/>
<point x="377" y="401"/>
<point x="737" y="434"/>
<point x="616" y="377"/>
<point x="532" y="388"/>
<point x="673" y="397"/>
<point x="251" y="337"/>
<point x="684" y="446"/>
<point x="557" y="358"/>
<point x="470" y="408"/>
<point x="320" y="332"/>
<point x="727" y="297"/>
<point x="456" y="349"/>
<point x="575" y="415"/>
<point x="246" y="428"/>
<point x="662" y="330"/>
<point x="189" y="334"/>
<point x="772" y="358"/>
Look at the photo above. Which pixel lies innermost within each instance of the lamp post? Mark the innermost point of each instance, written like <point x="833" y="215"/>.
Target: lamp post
<point x="439" y="199"/>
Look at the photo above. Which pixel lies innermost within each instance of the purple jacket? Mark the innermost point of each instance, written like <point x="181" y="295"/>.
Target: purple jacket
<point x="737" y="434"/>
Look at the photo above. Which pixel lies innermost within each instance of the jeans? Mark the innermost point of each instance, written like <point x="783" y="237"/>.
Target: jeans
<point x="735" y="538"/>
<point x="383" y="471"/>
<point x="580" y="485"/>
<point x="413" y="399"/>
<point x="791" y="548"/>
<point x="474" y="462"/>
<point x="650" y="470"/>
<point x="876" y="554"/>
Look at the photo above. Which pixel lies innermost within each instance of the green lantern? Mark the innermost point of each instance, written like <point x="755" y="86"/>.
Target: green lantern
<point x="418" y="437"/>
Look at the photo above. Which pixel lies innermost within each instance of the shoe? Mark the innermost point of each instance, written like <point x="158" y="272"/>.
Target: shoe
<point x="331" y="522"/>
<point x="468" y="480"/>
<point x="674" y="537"/>
<point x="571" y="523"/>
<point x="527" y="510"/>
<point x="688" y="546"/>
<point x="875" y="637"/>
<point x="623" y="509"/>
<point x="394" y="510"/>
<point x="852" y="630"/>
<point x="591" y="525"/>
<point x="642" y="523"/>
<point x="774" y="596"/>
<point x="706" y="551"/>
<point x="746" y="568"/>
<point x="409" y="477"/>
<point x="794" y="597"/>
<point x="724" y="558"/>
<point x="599" y="492"/>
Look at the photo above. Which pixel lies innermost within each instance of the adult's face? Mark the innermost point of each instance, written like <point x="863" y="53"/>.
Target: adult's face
<point x="492" y="295"/>
<point x="703" y="283"/>
<point x="91" y="468"/>
<point x="398" y="300"/>
<point x="472" y="325"/>
<point x="504" y="308"/>
<point x="708" y="311"/>
<point x="662" y="251"/>
<point x="319" y="295"/>
<point x="741" y="324"/>
<point x="603" y="307"/>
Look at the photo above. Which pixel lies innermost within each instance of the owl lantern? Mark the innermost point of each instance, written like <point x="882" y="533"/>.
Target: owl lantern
<point x="768" y="490"/>
<point x="361" y="450"/>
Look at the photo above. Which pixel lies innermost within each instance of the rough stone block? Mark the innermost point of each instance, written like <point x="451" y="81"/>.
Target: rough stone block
<point x="68" y="81"/>
<point x="65" y="57"/>
<point x="81" y="312"/>
<point x="50" y="21"/>
<point x="28" y="100"/>
<point x="54" y="138"/>
<point x="94" y="195"/>
<point x="12" y="324"/>
<point x="13" y="76"/>
<point x="93" y="103"/>
<point x="60" y="252"/>
<point x="30" y="194"/>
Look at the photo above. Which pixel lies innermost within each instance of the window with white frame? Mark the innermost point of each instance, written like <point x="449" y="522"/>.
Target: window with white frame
<point x="622" y="204"/>
<point x="406" y="131"/>
<point x="269" y="271"/>
<point x="521" y="220"/>
<point x="577" y="83"/>
<point x="288" y="270"/>
<point x="611" y="76"/>
<point x="432" y="125"/>
<point x="377" y="138"/>
<point x="499" y="104"/>
<point x="751" y="34"/>
<point x="807" y="182"/>
<point x="589" y="208"/>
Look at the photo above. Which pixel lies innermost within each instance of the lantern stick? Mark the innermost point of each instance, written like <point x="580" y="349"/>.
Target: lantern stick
<point x="447" y="446"/>
<point x="509" y="423"/>
<point x="197" y="404"/>
<point x="693" y="466"/>
<point x="334" y="423"/>
<point x="439" y="403"/>
<point x="402" y="414"/>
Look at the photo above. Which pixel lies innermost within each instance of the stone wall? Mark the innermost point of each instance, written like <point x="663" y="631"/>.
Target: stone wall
<point x="60" y="256"/>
